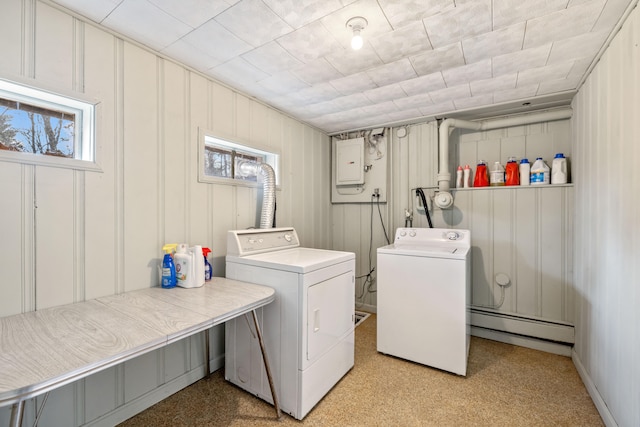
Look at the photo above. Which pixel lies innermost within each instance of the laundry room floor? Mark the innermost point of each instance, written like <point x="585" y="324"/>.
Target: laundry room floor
<point x="505" y="385"/>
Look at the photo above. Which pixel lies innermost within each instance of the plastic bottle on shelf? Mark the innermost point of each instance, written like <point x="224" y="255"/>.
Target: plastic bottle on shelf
<point x="482" y="176"/>
<point x="497" y="175"/>
<point x="168" y="267"/>
<point x="559" y="169"/>
<point x="466" y="176"/>
<point x="198" y="266"/>
<point x="184" y="266"/>
<point x="525" y="171"/>
<point x="208" y="270"/>
<point x="512" y="175"/>
<point x="540" y="172"/>
<point x="459" y="177"/>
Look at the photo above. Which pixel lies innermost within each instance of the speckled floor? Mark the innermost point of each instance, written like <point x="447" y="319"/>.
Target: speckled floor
<point x="505" y="386"/>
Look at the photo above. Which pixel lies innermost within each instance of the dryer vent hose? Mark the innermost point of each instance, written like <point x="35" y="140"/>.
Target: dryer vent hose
<point x="268" y="215"/>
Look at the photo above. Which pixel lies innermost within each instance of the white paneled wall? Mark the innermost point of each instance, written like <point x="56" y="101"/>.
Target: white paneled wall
<point x="606" y="135"/>
<point x="70" y="235"/>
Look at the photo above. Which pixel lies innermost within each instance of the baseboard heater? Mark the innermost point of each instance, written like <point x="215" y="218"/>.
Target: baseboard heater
<point x="526" y="326"/>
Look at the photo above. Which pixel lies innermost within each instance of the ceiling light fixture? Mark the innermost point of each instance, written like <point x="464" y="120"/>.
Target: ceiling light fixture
<point x="357" y="24"/>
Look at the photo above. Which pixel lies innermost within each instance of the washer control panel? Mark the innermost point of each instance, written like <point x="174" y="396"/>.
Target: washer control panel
<point x="432" y="236"/>
<point x="255" y="241"/>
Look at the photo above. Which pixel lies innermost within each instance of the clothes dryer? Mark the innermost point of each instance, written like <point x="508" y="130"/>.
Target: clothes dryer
<point x="309" y="328"/>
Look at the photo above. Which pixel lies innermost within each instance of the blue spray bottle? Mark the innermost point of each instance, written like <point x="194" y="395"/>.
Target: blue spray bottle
<point x="208" y="270"/>
<point x="168" y="267"/>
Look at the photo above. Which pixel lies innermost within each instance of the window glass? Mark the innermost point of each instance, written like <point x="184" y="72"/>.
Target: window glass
<point x="223" y="159"/>
<point x="38" y="122"/>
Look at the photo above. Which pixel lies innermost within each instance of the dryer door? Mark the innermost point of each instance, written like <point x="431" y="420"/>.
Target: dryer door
<point x="330" y="311"/>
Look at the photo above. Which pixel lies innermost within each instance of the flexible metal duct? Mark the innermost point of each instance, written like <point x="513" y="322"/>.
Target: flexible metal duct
<point x="268" y="195"/>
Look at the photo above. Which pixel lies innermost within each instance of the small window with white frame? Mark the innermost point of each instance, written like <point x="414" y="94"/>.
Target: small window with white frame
<point x="39" y="123"/>
<point x="222" y="161"/>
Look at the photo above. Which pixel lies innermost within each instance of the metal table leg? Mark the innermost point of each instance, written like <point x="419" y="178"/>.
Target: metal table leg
<point x="265" y="359"/>
<point x="17" y="412"/>
<point x="207" y="363"/>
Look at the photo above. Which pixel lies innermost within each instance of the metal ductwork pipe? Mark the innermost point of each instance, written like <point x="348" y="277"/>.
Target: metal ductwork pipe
<point x="268" y="195"/>
<point x="444" y="199"/>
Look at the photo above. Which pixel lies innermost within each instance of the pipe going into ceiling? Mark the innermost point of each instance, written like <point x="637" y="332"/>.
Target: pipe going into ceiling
<point x="444" y="200"/>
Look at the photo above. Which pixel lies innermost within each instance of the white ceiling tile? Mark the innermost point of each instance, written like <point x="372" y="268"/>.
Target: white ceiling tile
<point x="450" y="93"/>
<point x="253" y="22"/>
<point x="404" y="12"/>
<point x="321" y="108"/>
<point x="503" y="82"/>
<point x="239" y="71"/>
<point x="283" y="83"/>
<point x="349" y="61"/>
<point x="146" y="23"/>
<point x="336" y="22"/>
<point x="357" y="100"/>
<point x="587" y="44"/>
<point x="509" y="12"/>
<point x="438" y="59"/>
<point x="402" y="42"/>
<point x="415" y="101"/>
<point x="190" y="55"/>
<point x="610" y="15"/>
<point x="473" y="101"/>
<point x="381" y="108"/>
<point x="520" y="93"/>
<point x="461" y="22"/>
<point x="96" y="10"/>
<point x="316" y="71"/>
<point x="429" y="83"/>
<point x="522" y="60"/>
<point x="227" y="45"/>
<point x="271" y="58"/>
<point x="466" y="73"/>
<point x="298" y="13"/>
<point x="393" y="73"/>
<point x="193" y="12"/>
<point x="353" y="83"/>
<point x="580" y="67"/>
<point x="559" y="85"/>
<point x="563" y="24"/>
<point x="498" y="42"/>
<point x="314" y="94"/>
<point x="385" y="93"/>
<point x="556" y="71"/>
<point x="438" y="109"/>
<point x="406" y="114"/>
<point x="310" y="42"/>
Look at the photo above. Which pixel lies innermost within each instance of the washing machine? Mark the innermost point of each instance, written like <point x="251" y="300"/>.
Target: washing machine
<point x="308" y="330"/>
<point x="424" y="291"/>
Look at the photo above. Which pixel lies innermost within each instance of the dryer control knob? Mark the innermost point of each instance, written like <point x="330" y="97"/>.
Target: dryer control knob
<point x="452" y="235"/>
<point x="403" y="233"/>
<point x="412" y="233"/>
<point x="287" y="237"/>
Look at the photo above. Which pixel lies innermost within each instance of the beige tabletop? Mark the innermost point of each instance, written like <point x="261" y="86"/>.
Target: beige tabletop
<point x="45" y="349"/>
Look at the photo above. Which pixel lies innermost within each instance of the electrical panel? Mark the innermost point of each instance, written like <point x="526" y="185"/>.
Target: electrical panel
<point x="350" y="162"/>
<point x="359" y="168"/>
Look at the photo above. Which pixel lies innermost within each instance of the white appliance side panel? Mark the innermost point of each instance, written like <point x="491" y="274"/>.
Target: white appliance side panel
<point x="329" y="314"/>
<point x="324" y="373"/>
<point x="280" y="325"/>
<point x="422" y="307"/>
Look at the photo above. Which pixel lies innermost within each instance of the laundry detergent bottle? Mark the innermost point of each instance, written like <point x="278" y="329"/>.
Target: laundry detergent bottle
<point x="168" y="267"/>
<point x="512" y="173"/>
<point x="482" y="175"/>
<point x="184" y="266"/>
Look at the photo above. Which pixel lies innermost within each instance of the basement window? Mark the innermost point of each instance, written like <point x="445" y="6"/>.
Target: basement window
<point x="225" y="161"/>
<point x="41" y="127"/>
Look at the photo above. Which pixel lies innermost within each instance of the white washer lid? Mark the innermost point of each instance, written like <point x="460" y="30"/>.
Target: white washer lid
<point x="297" y="260"/>
<point x="425" y="250"/>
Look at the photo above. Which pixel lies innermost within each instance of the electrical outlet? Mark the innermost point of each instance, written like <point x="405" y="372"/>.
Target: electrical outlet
<point x="376" y="193"/>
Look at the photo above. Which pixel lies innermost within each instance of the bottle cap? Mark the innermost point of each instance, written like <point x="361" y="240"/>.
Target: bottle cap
<point x="206" y="251"/>
<point x="169" y="248"/>
<point x="467" y="167"/>
<point x="459" y="168"/>
<point x="559" y="156"/>
<point x="525" y="160"/>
